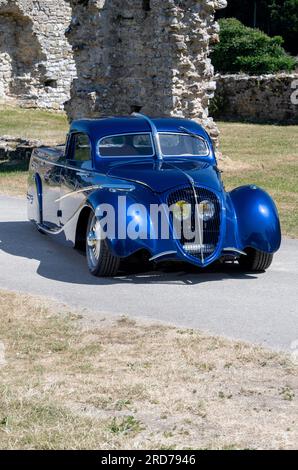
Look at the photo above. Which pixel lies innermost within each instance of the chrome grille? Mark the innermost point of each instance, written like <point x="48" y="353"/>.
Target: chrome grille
<point x="210" y="229"/>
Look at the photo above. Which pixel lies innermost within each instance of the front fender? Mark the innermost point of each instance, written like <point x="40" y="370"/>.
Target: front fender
<point x="125" y="246"/>
<point x="257" y="220"/>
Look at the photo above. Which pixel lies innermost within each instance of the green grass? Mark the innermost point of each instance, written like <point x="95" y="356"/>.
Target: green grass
<point x="13" y="178"/>
<point x="49" y="127"/>
<point x="265" y="155"/>
<point x="124" y="425"/>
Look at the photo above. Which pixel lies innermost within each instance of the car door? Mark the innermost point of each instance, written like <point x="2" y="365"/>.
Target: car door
<point x="76" y="175"/>
<point x="49" y="180"/>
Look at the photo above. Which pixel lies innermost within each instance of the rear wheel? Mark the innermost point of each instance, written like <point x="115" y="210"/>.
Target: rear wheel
<point x="101" y="262"/>
<point x="255" y="260"/>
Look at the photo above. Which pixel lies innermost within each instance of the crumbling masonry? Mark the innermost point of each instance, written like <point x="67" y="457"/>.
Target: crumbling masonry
<point x="129" y="55"/>
<point x="36" y="63"/>
<point x="143" y="55"/>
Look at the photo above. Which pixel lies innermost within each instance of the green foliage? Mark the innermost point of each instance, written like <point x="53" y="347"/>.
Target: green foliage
<point x="274" y="17"/>
<point x="284" y="20"/>
<point x="218" y="105"/>
<point x="243" y="49"/>
<point x="125" y="425"/>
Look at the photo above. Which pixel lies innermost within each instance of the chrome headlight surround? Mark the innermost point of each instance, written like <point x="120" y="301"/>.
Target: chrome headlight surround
<point x="181" y="210"/>
<point x="206" y="210"/>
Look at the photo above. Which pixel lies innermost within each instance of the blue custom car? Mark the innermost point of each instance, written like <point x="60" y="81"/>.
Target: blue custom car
<point x="132" y="165"/>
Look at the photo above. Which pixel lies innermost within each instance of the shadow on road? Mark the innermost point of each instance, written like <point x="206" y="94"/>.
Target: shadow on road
<point x="64" y="264"/>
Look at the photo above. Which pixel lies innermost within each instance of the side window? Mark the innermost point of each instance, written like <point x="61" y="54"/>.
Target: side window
<point x="80" y="150"/>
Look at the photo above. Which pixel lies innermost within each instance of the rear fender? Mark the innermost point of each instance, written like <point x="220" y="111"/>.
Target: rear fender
<point x="34" y="198"/>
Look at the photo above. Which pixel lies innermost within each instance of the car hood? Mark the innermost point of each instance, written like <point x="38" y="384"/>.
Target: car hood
<point x="161" y="177"/>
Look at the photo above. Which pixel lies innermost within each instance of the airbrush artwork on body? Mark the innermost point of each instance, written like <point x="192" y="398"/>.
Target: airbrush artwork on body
<point x="136" y="186"/>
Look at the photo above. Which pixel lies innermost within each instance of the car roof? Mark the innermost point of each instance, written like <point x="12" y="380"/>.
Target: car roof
<point x="100" y="127"/>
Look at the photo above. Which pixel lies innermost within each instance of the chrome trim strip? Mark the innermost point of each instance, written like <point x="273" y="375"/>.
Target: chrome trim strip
<point x="195" y="247"/>
<point x="164" y="253"/>
<point x="91" y="170"/>
<point x="48" y="162"/>
<point x="112" y="187"/>
<point x="155" y="135"/>
<point x="72" y="193"/>
<point x="60" y="165"/>
<point x="235" y="250"/>
<point x="200" y="222"/>
<point x="133" y="181"/>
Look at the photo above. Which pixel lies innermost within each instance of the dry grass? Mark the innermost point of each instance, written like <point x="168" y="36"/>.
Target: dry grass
<point x="124" y="385"/>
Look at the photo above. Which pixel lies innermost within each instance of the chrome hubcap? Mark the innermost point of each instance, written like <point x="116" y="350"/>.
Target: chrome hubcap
<point x="91" y="240"/>
<point x="94" y="241"/>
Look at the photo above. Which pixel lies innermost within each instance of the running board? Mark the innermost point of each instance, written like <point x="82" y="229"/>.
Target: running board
<point x="48" y="230"/>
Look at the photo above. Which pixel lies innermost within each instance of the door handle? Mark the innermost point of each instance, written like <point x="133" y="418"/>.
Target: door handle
<point x="83" y="174"/>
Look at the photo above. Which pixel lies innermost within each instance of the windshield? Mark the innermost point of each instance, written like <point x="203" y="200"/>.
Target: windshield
<point x="172" y="145"/>
<point x="126" y="145"/>
<point x="183" y="145"/>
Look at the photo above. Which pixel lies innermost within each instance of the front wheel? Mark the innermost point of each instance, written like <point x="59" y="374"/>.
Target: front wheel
<point x="101" y="262"/>
<point x="256" y="261"/>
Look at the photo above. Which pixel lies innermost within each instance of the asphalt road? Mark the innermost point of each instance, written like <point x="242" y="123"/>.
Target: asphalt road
<point x="259" y="308"/>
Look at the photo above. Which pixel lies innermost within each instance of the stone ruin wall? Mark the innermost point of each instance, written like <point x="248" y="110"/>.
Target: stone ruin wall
<point x="36" y="63"/>
<point x="129" y="55"/>
<point x="143" y="55"/>
<point x="264" y="98"/>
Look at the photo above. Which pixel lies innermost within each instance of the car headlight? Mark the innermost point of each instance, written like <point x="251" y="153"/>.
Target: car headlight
<point x="182" y="210"/>
<point x="206" y="210"/>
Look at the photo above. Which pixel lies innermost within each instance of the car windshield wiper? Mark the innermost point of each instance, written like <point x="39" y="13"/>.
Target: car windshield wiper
<point x="192" y="134"/>
<point x="189" y="132"/>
